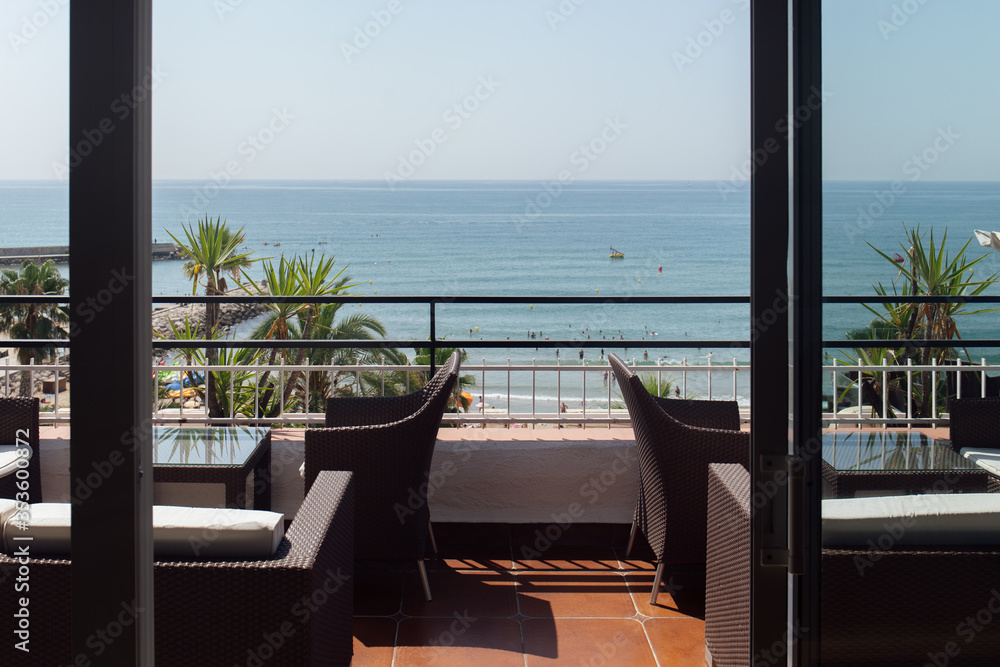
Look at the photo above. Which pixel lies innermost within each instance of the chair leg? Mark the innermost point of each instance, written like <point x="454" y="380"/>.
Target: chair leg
<point x="423" y="580"/>
<point x="430" y="533"/>
<point x="656" y="583"/>
<point x="631" y="538"/>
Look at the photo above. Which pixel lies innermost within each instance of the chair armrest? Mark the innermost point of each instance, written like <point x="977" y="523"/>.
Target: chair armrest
<point x="302" y="596"/>
<point x="727" y="593"/>
<point x="314" y="563"/>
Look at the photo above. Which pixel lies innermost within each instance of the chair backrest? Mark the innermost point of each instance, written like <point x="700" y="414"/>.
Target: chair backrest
<point x="673" y="470"/>
<point x="391" y="464"/>
<point x="367" y="410"/>
<point x="19" y="422"/>
<point x="723" y="415"/>
<point x="974" y="422"/>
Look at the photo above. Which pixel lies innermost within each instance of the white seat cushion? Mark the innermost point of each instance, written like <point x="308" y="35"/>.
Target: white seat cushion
<point x="933" y="519"/>
<point x="9" y="455"/>
<point x="196" y="533"/>
<point x="8" y="508"/>
<point x="987" y="459"/>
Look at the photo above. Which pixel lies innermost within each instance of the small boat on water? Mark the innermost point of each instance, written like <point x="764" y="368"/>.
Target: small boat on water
<point x="616" y="254"/>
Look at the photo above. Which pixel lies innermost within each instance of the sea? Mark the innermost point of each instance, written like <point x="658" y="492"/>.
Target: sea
<point x="531" y="238"/>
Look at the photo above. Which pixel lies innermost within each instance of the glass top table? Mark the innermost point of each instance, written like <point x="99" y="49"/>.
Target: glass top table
<point x="880" y="462"/>
<point x="887" y="450"/>
<point x="216" y="454"/>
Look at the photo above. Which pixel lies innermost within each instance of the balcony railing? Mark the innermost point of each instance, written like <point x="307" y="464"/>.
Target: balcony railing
<point x="588" y="389"/>
<point x="595" y="402"/>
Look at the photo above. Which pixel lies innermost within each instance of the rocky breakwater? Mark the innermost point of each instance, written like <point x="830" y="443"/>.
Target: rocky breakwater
<point x="230" y="314"/>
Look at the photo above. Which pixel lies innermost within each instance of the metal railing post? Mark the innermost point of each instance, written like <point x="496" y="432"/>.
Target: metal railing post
<point x="433" y="344"/>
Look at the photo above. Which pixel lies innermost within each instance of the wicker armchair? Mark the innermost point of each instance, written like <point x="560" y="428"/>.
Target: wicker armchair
<point x="974" y="422"/>
<point x="903" y="606"/>
<point x="723" y="415"/>
<point x="220" y="613"/>
<point x="19" y="422"/>
<point x="388" y="443"/>
<point x="673" y="473"/>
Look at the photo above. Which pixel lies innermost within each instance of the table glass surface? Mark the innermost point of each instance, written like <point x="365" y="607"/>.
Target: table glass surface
<point x="890" y="451"/>
<point x="205" y="445"/>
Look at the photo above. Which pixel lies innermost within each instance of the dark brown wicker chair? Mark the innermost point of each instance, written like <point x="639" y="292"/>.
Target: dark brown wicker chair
<point x="895" y="607"/>
<point x="19" y="422"/>
<point x="388" y="443"/>
<point x="974" y="422"/>
<point x="723" y="415"/>
<point x="221" y="613"/>
<point x="673" y="474"/>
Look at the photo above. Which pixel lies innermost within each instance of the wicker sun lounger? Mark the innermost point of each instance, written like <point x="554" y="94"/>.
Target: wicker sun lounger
<point x="673" y="460"/>
<point x="901" y="606"/>
<point x="222" y="613"/>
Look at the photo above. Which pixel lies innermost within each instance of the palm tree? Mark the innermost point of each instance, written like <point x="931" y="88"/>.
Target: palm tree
<point x="299" y="277"/>
<point x="357" y="326"/>
<point x="928" y="270"/>
<point x="33" y="320"/>
<point x="212" y="252"/>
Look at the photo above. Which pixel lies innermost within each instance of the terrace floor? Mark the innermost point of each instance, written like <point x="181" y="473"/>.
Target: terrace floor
<point x="504" y="595"/>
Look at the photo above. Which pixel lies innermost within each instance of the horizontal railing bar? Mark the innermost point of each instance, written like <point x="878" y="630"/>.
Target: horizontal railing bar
<point x="911" y="299"/>
<point x="917" y="342"/>
<point x="437" y="299"/>
<point x="487" y="344"/>
<point x="170" y="343"/>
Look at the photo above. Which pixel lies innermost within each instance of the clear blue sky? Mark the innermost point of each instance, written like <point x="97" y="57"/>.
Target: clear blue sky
<point x="561" y="79"/>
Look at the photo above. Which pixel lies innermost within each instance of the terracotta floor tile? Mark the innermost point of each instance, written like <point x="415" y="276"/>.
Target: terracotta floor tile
<point x="470" y="558"/>
<point x="585" y="641"/>
<point x="574" y="595"/>
<point x="568" y="558"/>
<point x="677" y="642"/>
<point x="459" y="640"/>
<point x="681" y="594"/>
<point x="374" y="642"/>
<point x="479" y="593"/>
<point x="377" y="593"/>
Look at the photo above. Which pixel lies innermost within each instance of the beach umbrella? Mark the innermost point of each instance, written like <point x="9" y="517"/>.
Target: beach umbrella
<point x="988" y="239"/>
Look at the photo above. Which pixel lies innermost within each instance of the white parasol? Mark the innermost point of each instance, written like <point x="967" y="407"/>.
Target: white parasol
<point x="988" y="239"/>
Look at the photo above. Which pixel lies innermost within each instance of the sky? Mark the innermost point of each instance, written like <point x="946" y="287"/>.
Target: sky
<point x="512" y="89"/>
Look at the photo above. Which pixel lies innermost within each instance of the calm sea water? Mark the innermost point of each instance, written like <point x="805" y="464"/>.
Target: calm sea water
<point x="515" y="238"/>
